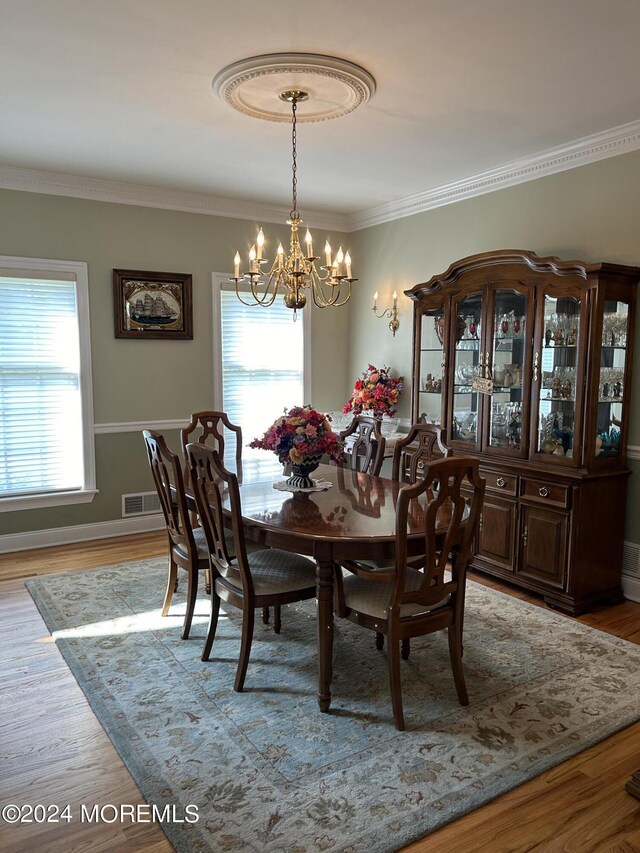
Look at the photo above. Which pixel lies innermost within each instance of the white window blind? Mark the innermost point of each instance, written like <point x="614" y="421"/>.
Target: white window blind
<point x="43" y="413"/>
<point x="262" y="363"/>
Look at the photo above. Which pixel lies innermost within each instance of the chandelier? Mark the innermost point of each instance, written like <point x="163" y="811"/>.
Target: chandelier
<point x="294" y="274"/>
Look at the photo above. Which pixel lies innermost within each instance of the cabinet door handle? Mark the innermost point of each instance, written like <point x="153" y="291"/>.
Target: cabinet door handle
<point x="501" y="482"/>
<point x="536" y="362"/>
<point x="543" y="492"/>
<point x="480" y="523"/>
<point x="525" y="536"/>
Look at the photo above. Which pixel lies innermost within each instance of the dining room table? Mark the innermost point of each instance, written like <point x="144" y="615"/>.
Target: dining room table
<point x="352" y="518"/>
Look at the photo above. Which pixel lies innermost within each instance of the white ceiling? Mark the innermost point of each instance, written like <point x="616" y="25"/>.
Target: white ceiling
<point x="121" y="90"/>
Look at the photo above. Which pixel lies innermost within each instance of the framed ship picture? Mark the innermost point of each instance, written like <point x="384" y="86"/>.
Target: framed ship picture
<point x="152" y="305"/>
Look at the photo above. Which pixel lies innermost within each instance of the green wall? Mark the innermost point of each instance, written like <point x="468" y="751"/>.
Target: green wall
<point x="590" y="213"/>
<point x="140" y="381"/>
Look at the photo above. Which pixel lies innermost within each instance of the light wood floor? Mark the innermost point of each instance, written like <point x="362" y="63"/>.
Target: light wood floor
<point x="53" y="750"/>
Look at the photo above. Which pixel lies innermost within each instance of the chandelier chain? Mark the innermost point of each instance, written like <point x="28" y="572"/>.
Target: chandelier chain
<point x="295" y="274"/>
<point x="294" y="168"/>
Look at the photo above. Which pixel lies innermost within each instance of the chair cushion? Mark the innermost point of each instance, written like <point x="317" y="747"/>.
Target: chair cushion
<point x="201" y="543"/>
<point x="275" y="571"/>
<point x="372" y="599"/>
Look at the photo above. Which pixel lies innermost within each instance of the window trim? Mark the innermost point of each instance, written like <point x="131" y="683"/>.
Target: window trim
<point x="220" y="281"/>
<point x="79" y="271"/>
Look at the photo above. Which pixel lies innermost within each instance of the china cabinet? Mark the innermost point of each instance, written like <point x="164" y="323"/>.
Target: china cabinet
<point x="527" y="363"/>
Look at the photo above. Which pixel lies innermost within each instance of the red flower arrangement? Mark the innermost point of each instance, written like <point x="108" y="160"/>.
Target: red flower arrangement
<point x="375" y="393"/>
<point x="300" y="434"/>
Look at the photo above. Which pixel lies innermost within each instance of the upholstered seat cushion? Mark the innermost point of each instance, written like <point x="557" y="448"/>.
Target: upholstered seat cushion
<point x="201" y="543"/>
<point x="276" y="571"/>
<point x="372" y="598"/>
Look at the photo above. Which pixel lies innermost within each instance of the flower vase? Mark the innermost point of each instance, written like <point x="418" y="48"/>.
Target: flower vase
<point x="300" y="471"/>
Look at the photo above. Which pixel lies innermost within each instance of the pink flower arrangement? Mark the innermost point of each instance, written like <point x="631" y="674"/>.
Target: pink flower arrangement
<point x="375" y="393"/>
<point x="299" y="434"/>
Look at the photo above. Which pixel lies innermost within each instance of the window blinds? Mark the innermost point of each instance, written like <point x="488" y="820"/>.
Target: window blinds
<point x="41" y="442"/>
<point x="262" y="363"/>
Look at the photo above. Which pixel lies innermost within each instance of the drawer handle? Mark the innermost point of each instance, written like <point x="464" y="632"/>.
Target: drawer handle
<point x="501" y="482"/>
<point x="543" y="492"/>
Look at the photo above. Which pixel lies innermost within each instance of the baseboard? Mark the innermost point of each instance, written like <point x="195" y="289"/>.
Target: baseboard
<point x="631" y="588"/>
<point x="79" y="533"/>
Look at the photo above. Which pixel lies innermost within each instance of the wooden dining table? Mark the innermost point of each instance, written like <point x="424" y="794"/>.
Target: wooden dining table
<point x="353" y="519"/>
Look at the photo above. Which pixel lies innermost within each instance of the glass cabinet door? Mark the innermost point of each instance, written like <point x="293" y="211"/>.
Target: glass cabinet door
<point x="557" y="366"/>
<point x="611" y="380"/>
<point x="465" y="401"/>
<point x="431" y="366"/>
<point x="508" y="351"/>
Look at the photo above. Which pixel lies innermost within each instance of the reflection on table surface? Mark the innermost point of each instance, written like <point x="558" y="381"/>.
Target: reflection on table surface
<point x="356" y="506"/>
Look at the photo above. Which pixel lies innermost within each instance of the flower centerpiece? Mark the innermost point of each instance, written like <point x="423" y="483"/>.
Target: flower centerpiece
<point x="375" y="393"/>
<point x="300" y="437"/>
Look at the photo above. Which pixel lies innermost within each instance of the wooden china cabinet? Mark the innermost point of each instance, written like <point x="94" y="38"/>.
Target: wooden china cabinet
<point x="527" y="363"/>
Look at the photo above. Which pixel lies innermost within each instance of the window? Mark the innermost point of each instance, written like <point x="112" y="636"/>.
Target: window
<point x="46" y="411"/>
<point x="260" y="359"/>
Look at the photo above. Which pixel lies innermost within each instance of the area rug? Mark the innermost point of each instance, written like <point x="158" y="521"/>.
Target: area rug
<point x="269" y="773"/>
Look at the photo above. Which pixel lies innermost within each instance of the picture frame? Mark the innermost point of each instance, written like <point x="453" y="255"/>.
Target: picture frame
<point x="153" y="305"/>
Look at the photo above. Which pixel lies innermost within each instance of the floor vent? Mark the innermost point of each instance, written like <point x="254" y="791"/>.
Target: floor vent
<point x="145" y="503"/>
<point x="631" y="559"/>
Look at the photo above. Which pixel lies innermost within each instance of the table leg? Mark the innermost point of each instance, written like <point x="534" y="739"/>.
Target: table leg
<point x="324" y="593"/>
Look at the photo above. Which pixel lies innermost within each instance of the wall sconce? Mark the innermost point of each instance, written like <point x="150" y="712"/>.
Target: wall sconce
<point x="394" y="323"/>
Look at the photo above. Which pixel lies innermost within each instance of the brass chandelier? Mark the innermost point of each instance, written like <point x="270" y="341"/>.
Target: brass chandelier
<point x="295" y="274"/>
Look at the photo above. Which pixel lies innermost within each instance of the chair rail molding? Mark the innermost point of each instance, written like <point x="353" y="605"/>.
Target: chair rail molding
<point x="138" y="426"/>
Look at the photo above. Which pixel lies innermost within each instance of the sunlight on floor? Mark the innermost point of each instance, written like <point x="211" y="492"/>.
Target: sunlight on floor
<point x="131" y="624"/>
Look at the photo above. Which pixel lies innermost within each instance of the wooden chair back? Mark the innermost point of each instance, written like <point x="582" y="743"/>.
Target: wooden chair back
<point x="212" y="483"/>
<point x="408" y="466"/>
<point x="364" y="451"/>
<point x="209" y="428"/>
<point x="454" y="492"/>
<point x="168" y="478"/>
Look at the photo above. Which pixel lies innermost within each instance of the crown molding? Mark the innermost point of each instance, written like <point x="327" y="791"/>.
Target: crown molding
<point x="599" y="146"/>
<point x="138" y="426"/>
<point x="120" y="192"/>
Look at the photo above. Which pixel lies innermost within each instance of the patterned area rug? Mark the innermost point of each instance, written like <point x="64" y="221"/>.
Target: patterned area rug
<point x="269" y="772"/>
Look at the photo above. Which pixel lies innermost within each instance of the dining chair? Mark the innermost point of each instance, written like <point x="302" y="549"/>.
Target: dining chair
<point x="247" y="580"/>
<point x="422" y="444"/>
<point x="364" y="444"/>
<point x="209" y="428"/>
<point x="411" y="455"/>
<point x="403" y="602"/>
<point x="187" y="546"/>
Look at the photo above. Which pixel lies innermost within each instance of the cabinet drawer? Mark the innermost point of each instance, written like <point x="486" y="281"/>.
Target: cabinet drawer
<point x="543" y="492"/>
<point x="504" y="484"/>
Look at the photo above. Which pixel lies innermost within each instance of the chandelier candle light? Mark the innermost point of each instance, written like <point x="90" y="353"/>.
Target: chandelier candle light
<point x="295" y="274"/>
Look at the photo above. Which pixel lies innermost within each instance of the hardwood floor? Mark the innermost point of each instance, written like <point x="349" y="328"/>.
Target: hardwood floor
<point x="54" y="750"/>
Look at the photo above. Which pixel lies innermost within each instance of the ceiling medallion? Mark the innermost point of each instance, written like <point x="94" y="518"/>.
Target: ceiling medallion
<point x="252" y="86"/>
